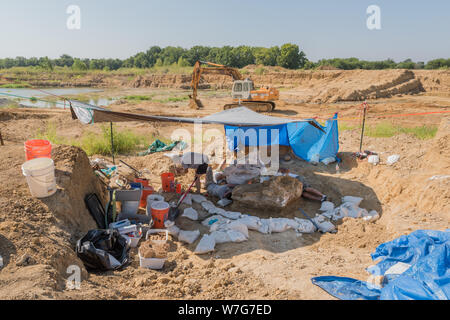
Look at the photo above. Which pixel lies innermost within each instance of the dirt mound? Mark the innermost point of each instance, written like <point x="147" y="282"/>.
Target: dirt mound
<point x="37" y="236"/>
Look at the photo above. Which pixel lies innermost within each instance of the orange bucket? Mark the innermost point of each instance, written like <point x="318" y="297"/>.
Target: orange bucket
<point x="146" y="191"/>
<point x="167" y="181"/>
<point x="160" y="212"/>
<point x="144" y="182"/>
<point x="37" y="148"/>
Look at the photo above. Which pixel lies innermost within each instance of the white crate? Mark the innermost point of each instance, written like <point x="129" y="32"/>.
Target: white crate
<point x="151" y="263"/>
<point x="153" y="231"/>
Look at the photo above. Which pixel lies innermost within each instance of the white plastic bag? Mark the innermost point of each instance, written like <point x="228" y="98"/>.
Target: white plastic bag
<point x="238" y="226"/>
<point x="264" y="226"/>
<point x="188" y="199"/>
<point x="305" y="226"/>
<point x="220" y="236"/>
<point x="373" y="159"/>
<point x="208" y="222"/>
<point x="326" y="206"/>
<point x="190" y="213"/>
<point x="205" y="245"/>
<point x="208" y="206"/>
<point x="282" y="224"/>
<point x="188" y="236"/>
<point x="392" y="159"/>
<point x="328" y="160"/>
<point x="233" y="215"/>
<point x="371" y="216"/>
<point x="197" y="198"/>
<point x="173" y="230"/>
<point x="236" y="236"/>
<point x="252" y="222"/>
<point x="355" y="200"/>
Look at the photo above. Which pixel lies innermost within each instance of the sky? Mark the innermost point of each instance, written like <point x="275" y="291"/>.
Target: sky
<point x="414" y="29"/>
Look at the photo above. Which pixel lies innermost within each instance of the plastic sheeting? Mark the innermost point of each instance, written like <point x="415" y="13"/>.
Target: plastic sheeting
<point x="305" y="140"/>
<point x="428" y="278"/>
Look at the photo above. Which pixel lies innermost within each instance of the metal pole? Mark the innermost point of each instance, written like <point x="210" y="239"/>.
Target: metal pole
<point x="362" y="129"/>
<point x="112" y="143"/>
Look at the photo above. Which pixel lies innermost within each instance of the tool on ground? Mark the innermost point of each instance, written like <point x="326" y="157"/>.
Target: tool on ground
<point x="174" y="211"/>
<point x="134" y="169"/>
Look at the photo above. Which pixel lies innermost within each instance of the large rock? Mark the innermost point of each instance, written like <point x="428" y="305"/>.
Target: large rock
<point x="277" y="192"/>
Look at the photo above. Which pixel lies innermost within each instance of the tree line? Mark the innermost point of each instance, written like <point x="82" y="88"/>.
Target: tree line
<point x="287" y="56"/>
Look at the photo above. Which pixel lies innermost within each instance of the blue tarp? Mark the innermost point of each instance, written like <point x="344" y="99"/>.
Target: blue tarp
<point x="428" y="278"/>
<point x="305" y="140"/>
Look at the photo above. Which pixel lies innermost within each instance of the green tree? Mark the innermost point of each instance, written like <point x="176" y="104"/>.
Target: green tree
<point x="79" y="65"/>
<point x="290" y="57"/>
<point x="197" y="53"/>
<point x="46" y="63"/>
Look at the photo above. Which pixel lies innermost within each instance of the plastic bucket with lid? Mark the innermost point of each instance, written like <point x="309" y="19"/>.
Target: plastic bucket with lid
<point x="160" y="212"/>
<point x="40" y="175"/>
<point x="38" y="148"/>
<point x="167" y="180"/>
<point x="150" y="199"/>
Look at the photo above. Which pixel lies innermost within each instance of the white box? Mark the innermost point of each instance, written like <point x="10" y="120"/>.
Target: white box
<point x="153" y="231"/>
<point x="151" y="263"/>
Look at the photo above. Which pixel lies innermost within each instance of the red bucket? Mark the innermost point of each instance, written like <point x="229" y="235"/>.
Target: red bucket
<point x="167" y="181"/>
<point x="146" y="191"/>
<point x="160" y="213"/>
<point x="38" y="148"/>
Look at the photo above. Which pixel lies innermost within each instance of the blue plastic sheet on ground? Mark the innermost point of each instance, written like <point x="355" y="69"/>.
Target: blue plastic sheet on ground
<point x="428" y="278"/>
<point x="305" y="140"/>
<point x="347" y="288"/>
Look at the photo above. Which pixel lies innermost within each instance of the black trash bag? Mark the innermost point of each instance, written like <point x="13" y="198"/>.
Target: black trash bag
<point x="103" y="250"/>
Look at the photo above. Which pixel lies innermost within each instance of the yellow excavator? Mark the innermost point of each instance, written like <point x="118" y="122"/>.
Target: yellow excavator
<point x="243" y="91"/>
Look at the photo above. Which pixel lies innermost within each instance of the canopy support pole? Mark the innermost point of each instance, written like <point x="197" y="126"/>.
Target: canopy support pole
<point x="112" y="143"/>
<point x="363" y="124"/>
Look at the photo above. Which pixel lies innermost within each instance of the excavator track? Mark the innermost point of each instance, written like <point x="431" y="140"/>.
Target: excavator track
<point x="257" y="106"/>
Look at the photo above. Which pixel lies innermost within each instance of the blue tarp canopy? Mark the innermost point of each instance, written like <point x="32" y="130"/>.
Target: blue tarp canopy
<point x="426" y="254"/>
<point x="306" y="141"/>
<point x="307" y="138"/>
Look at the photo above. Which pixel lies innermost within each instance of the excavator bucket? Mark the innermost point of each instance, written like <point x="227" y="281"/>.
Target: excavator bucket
<point x="195" y="103"/>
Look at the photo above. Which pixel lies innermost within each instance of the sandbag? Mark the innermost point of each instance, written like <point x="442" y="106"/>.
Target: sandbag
<point x="236" y="236"/>
<point x="188" y="236"/>
<point x="220" y="236"/>
<point x="103" y="250"/>
<point x="190" y="213"/>
<point x="355" y="200"/>
<point x="252" y="222"/>
<point x="205" y="245"/>
<point x="197" y="198"/>
<point x="305" y="226"/>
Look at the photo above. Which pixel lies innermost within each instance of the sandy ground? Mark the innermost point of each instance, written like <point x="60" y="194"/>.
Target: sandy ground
<point x="37" y="237"/>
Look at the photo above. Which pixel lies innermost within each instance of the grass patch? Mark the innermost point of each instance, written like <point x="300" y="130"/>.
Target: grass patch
<point x="50" y="134"/>
<point x="138" y="98"/>
<point x="342" y="126"/>
<point x="387" y="130"/>
<point x="125" y="142"/>
<point x="15" y="85"/>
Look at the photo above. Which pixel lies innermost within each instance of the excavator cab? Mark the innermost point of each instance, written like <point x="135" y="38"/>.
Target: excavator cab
<point x="242" y="89"/>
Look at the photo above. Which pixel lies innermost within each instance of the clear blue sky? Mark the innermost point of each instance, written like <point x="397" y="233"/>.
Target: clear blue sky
<point x="322" y="28"/>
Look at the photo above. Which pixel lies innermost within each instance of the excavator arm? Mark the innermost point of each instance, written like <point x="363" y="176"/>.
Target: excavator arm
<point x="211" y="68"/>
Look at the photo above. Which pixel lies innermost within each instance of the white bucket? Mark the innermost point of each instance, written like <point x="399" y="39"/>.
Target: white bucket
<point x="40" y="175"/>
<point x="150" y="199"/>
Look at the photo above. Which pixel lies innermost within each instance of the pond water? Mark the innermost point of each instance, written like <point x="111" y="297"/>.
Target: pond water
<point x="41" y="97"/>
